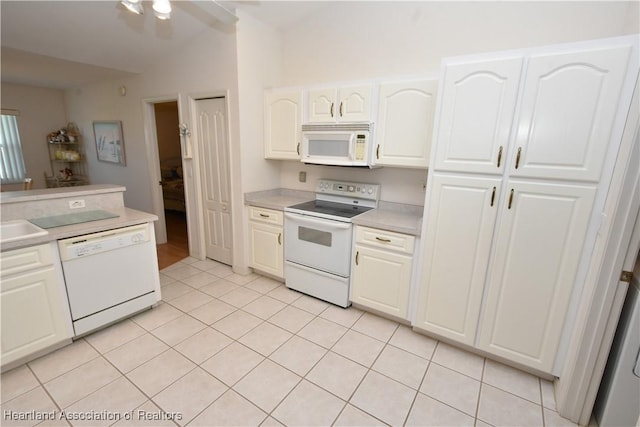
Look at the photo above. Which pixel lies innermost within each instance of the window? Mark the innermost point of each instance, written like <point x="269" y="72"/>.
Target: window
<point x="11" y="160"/>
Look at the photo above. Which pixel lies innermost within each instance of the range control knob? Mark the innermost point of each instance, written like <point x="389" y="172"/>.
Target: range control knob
<point x="351" y="189"/>
<point x="370" y="190"/>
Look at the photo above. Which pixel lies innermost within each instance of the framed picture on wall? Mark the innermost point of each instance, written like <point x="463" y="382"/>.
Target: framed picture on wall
<point x="109" y="141"/>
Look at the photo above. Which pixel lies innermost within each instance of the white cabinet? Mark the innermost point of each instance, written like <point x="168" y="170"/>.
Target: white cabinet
<point x="500" y="268"/>
<point x="462" y="214"/>
<point x="537" y="250"/>
<point x="282" y="124"/>
<point x="266" y="241"/>
<point x="567" y="111"/>
<point x="381" y="276"/>
<point x="404" y="123"/>
<point x="344" y="104"/>
<point x="475" y="115"/>
<point x="35" y="311"/>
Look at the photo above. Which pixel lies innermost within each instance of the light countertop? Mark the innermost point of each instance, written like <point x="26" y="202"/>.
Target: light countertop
<point x="126" y="217"/>
<point x="57" y="193"/>
<point x="389" y="216"/>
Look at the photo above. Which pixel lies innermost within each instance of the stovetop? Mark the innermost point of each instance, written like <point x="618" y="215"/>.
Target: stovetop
<point x="331" y="208"/>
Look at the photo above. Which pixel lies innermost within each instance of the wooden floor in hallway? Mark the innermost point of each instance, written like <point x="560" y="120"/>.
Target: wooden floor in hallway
<point x="177" y="246"/>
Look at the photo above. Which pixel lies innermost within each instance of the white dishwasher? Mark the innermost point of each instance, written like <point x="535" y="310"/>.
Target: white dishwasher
<point x="110" y="275"/>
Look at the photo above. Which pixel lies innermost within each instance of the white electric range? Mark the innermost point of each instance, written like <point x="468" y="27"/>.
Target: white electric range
<point x="318" y="236"/>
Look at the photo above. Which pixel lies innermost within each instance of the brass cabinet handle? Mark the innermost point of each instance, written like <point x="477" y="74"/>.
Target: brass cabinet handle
<point x="510" y="199"/>
<point x="499" y="157"/>
<point x="340" y="108"/>
<point x="298" y="148"/>
<point x="332" y="109"/>
<point x="357" y="257"/>
<point x="280" y="238"/>
<point x="493" y="195"/>
<point x="381" y="239"/>
<point x="264" y="215"/>
<point x="378" y="152"/>
<point x="518" y="157"/>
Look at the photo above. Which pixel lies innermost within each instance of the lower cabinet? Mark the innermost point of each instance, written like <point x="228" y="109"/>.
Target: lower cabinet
<point x="381" y="271"/>
<point x="266" y="241"/>
<point x="35" y="311"/>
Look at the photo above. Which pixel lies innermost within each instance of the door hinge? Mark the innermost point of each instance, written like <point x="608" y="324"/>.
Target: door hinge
<point x="626" y="276"/>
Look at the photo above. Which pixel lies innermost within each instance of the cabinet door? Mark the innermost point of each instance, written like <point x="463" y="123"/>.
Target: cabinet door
<point x="266" y="248"/>
<point x="33" y="314"/>
<point x="476" y="114"/>
<point x="567" y="113"/>
<point x="322" y="105"/>
<point x="405" y="123"/>
<point x="282" y="125"/>
<point x="381" y="280"/>
<point x="538" y="248"/>
<point x="460" y="217"/>
<point x="355" y="104"/>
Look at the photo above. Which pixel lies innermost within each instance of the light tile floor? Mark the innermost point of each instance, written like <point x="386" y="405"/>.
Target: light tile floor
<point x="225" y="349"/>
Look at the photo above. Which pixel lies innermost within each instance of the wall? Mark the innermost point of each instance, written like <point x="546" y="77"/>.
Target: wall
<point x="42" y="111"/>
<point x="348" y="41"/>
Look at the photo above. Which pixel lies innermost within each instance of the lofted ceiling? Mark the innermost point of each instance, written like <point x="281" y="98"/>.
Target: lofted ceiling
<point x="62" y="44"/>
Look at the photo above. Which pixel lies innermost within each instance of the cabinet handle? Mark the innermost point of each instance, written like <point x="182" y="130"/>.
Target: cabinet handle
<point x="378" y="152"/>
<point x="518" y="157"/>
<point x="280" y="239"/>
<point x="510" y="199"/>
<point x="340" y="108"/>
<point x="298" y="148"/>
<point x="383" y="240"/>
<point x="493" y="196"/>
<point x="499" y="156"/>
<point x="264" y="215"/>
<point x="332" y="109"/>
<point x="357" y="257"/>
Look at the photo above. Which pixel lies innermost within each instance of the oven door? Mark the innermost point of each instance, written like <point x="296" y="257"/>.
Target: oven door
<point x="319" y="243"/>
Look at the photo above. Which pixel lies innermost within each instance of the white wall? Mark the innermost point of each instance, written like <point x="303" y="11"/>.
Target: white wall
<point x="348" y="41"/>
<point x="42" y="111"/>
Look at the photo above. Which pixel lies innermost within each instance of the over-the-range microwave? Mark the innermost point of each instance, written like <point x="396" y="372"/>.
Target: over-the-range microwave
<point x="342" y="144"/>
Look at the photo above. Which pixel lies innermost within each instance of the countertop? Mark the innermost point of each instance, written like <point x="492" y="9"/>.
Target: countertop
<point x="57" y="193"/>
<point x="389" y="216"/>
<point x="126" y="217"/>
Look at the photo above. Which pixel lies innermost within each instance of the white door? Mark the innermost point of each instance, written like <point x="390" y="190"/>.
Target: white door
<point x="568" y="108"/>
<point x="282" y="125"/>
<point x="405" y="123"/>
<point x="322" y="105"/>
<point x="381" y="280"/>
<point x="538" y="248"/>
<point x="214" y="171"/>
<point x="476" y="113"/>
<point x="459" y="229"/>
<point x="355" y="104"/>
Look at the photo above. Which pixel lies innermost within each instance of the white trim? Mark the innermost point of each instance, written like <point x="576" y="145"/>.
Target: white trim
<point x="591" y="341"/>
<point x="153" y="160"/>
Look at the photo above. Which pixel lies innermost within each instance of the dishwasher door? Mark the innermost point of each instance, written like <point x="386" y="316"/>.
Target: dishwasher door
<point x="110" y="270"/>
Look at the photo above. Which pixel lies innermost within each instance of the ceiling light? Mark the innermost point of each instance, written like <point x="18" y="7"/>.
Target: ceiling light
<point x="162" y="9"/>
<point x="133" y="5"/>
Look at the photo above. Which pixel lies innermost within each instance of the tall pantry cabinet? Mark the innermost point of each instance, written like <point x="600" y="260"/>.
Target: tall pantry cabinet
<point x="521" y="163"/>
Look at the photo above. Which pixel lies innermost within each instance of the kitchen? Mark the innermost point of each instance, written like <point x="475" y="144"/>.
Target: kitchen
<point x="404" y="57"/>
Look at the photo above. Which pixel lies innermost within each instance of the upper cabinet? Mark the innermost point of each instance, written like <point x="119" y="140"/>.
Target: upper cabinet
<point x="282" y="124"/>
<point x="344" y="104"/>
<point x="404" y="123"/>
<point x="568" y="107"/>
<point x="475" y="115"/>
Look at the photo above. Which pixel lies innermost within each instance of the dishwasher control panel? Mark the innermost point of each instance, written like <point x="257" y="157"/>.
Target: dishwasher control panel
<point x="92" y="244"/>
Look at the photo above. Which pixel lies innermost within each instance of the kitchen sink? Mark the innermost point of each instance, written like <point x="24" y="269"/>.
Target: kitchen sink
<point x="20" y="229"/>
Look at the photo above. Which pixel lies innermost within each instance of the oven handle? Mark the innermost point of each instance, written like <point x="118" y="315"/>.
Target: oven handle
<point x="324" y="222"/>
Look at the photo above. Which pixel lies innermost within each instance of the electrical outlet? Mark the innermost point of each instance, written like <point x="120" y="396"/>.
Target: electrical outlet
<point x="302" y="176"/>
<point x="76" y="204"/>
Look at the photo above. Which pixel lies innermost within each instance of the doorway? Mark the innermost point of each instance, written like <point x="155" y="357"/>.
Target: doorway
<point x="172" y="182"/>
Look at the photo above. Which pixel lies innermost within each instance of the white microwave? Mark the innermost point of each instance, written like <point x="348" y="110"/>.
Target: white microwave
<point x="345" y="144"/>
